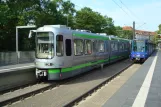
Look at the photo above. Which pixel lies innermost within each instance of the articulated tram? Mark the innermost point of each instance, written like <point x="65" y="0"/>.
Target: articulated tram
<point x="62" y="53"/>
<point x="141" y="49"/>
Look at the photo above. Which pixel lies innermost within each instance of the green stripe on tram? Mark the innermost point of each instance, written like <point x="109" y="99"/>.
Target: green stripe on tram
<point x="53" y="70"/>
<point x="75" y="67"/>
<point x="80" y="66"/>
<point x="113" y="57"/>
<point x="83" y="65"/>
<point x="90" y="36"/>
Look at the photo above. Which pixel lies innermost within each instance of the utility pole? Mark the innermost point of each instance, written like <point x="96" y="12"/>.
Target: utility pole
<point x="133" y="29"/>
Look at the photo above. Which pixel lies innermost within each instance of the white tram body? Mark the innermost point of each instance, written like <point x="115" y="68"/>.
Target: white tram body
<point x="62" y="53"/>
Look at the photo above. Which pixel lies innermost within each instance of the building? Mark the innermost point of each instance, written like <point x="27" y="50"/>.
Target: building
<point x="140" y="34"/>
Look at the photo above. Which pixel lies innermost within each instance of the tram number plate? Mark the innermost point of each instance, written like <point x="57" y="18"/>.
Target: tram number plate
<point x="138" y="55"/>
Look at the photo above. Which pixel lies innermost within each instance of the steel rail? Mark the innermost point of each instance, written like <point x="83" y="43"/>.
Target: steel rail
<point x="85" y="95"/>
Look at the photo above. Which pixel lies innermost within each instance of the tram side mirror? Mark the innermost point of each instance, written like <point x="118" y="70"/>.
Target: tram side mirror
<point x="31" y="33"/>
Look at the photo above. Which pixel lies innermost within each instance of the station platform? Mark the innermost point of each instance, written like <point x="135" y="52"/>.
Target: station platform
<point x="12" y="76"/>
<point x="143" y="89"/>
<point x="15" y="67"/>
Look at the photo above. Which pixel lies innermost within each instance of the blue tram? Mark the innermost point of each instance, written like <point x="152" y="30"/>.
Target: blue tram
<point x="141" y="49"/>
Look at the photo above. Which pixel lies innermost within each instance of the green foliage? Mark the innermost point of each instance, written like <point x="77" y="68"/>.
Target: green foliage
<point x="23" y="12"/>
<point x="159" y="31"/>
<point x="88" y="19"/>
<point x="48" y="12"/>
<point x="109" y="27"/>
<point x="155" y="39"/>
<point x="127" y="34"/>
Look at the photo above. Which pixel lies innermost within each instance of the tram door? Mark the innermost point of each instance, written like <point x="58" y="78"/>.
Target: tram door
<point x="64" y="46"/>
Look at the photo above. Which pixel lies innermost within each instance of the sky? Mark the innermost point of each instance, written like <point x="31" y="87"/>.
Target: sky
<point x="145" y="13"/>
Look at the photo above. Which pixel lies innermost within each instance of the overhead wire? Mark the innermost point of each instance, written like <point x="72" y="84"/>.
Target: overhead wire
<point x="133" y="14"/>
<point x="130" y="10"/>
<point x="122" y="8"/>
<point x="125" y="11"/>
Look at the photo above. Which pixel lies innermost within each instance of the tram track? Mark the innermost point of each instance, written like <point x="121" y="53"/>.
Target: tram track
<point x="35" y="88"/>
<point x="19" y="86"/>
<point x="42" y="87"/>
<point x="22" y="93"/>
<point x="75" y="101"/>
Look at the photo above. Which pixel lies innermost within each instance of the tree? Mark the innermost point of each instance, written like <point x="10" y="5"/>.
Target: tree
<point x="48" y="12"/>
<point x="155" y="38"/>
<point x="88" y="19"/>
<point x="127" y="34"/>
<point x="159" y="31"/>
<point x="39" y="12"/>
<point x="8" y="22"/>
<point x="109" y="27"/>
<point x="67" y="8"/>
<point x="15" y="13"/>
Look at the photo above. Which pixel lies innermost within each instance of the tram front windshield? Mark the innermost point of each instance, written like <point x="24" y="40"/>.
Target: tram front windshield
<point x="139" y="46"/>
<point x="44" y="45"/>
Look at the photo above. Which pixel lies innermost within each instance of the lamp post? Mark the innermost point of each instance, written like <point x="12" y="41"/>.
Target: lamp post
<point x="20" y="27"/>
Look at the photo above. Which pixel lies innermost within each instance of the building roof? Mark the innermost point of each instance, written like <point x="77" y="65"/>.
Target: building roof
<point x="127" y="28"/>
<point x="141" y="32"/>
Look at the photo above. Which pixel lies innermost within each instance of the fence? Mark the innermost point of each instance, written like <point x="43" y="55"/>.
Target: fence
<point x="7" y="58"/>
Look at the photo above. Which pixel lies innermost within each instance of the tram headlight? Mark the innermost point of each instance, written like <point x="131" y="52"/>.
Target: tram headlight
<point x="49" y="56"/>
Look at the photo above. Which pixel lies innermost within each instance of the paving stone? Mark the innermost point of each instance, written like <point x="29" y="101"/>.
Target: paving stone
<point x="131" y="88"/>
<point x="153" y="104"/>
<point x="154" y="95"/>
<point x="101" y="96"/>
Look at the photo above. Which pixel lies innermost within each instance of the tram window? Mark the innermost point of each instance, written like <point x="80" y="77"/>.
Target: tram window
<point x="59" y="45"/>
<point x="127" y="46"/>
<point x="116" y="46"/>
<point x="121" y="47"/>
<point x="78" y="47"/>
<point x="106" y="46"/>
<point x="112" y="46"/>
<point x="101" y="46"/>
<point x="88" y="47"/>
<point x="124" y="46"/>
<point x="95" y="46"/>
<point x="68" y="47"/>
